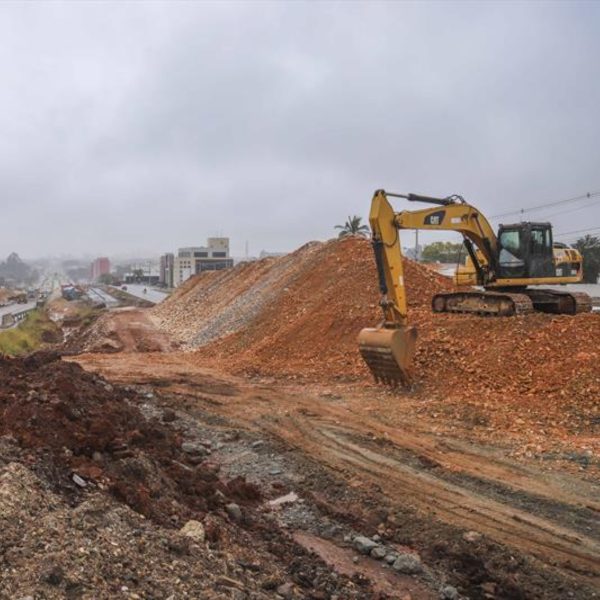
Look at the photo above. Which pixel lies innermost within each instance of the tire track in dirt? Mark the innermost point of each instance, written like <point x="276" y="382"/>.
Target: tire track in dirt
<point x="514" y="527"/>
<point x="555" y="545"/>
<point x="314" y="427"/>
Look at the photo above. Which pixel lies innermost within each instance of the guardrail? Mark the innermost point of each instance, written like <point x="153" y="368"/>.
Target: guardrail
<point x="11" y="319"/>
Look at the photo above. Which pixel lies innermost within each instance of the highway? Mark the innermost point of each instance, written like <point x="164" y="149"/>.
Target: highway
<point x="99" y="295"/>
<point x="151" y="294"/>
<point x="15" y="308"/>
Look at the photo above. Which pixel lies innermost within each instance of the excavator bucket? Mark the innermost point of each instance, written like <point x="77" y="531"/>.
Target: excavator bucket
<point x="389" y="353"/>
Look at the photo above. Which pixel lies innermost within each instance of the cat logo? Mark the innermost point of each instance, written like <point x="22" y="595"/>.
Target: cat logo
<point x="435" y="218"/>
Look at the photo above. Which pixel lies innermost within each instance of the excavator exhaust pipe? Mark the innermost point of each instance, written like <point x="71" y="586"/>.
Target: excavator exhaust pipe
<point x="389" y="353"/>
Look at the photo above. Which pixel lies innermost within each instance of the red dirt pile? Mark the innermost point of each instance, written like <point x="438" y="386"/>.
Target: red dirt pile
<point x="295" y="315"/>
<point x="538" y="373"/>
<point x="312" y="326"/>
<point x="299" y="317"/>
<point x="122" y="330"/>
<point x="82" y="432"/>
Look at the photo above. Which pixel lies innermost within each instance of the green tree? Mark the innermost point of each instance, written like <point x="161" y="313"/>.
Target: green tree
<point x="138" y="274"/>
<point x="444" y="252"/>
<point x="589" y="246"/>
<point x="107" y="279"/>
<point x="353" y="226"/>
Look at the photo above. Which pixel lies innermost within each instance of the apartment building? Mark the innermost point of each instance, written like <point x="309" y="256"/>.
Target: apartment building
<point x="167" y="269"/>
<point x="101" y="266"/>
<point x="193" y="260"/>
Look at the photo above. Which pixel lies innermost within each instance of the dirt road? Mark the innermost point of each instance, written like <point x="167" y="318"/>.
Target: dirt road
<point x="494" y="526"/>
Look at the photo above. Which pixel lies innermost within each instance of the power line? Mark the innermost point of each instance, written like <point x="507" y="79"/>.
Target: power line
<point x="548" y="204"/>
<point x="577" y="231"/>
<point x="573" y="209"/>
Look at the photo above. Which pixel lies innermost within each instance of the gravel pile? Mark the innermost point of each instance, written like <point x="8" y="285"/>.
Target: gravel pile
<point x="215" y="304"/>
<point x="87" y="433"/>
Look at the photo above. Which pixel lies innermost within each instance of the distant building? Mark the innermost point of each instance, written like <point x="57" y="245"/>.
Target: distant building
<point x="152" y="278"/>
<point x="193" y="260"/>
<point x="101" y="266"/>
<point x="167" y="268"/>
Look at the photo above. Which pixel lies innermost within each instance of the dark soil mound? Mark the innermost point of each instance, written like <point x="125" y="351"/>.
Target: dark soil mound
<point x="86" y="432"/>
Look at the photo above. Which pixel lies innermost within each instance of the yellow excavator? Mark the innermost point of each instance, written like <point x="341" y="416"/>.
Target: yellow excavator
<point x="503" y="266"/>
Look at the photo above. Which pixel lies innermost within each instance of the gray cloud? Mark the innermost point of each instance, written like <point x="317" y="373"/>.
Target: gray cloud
<point x="140" y="127"/>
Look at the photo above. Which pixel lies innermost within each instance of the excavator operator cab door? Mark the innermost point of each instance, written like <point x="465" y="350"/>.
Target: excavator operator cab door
<point x="525" y="251"/>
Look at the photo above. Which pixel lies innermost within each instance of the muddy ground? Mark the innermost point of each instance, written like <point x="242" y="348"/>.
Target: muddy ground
<point x="128" y="468"/>
<point x="486" y="523"/>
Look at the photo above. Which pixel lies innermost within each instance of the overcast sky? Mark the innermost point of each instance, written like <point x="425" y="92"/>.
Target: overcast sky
<point x="137" y="128"/>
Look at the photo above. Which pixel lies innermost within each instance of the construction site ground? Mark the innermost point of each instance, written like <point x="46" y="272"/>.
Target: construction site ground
<point x="365" y="461"/>
<point x="229" y="443"/>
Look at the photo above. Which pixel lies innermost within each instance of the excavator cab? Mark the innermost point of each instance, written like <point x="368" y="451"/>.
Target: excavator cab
<point x="525" y="251"/>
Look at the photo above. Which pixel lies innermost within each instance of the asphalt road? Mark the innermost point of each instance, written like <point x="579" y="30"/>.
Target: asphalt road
<point x="15" y="308"/>
<point x="151" y="294"/>
<point x="102" y="296"/>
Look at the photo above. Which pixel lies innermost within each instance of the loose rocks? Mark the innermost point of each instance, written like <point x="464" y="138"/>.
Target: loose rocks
<point x="449" y="592"/>
<point x="364" y="544"/>
<point x="194" y="530"/>
<point x="409" y="564"/>
<point x="234" y="512"/>
<point x="378" y="552"/>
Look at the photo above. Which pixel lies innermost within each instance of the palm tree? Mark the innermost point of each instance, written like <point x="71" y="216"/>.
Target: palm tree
<point x="353" y="227"/>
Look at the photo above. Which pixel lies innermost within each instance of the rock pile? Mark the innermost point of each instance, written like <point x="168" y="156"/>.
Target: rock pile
<point x="101" y="497"/>
<point x="403" y="562"/>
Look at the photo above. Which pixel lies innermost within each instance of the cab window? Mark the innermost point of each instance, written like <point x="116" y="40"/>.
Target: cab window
<point x="510" y="248"/>
<point x="537" y="241"/>
<point x="540" y="241"/>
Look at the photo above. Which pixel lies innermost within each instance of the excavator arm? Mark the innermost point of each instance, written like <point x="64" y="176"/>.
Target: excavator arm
<point x="456" y="215"/>
<point x="388" y="349"/>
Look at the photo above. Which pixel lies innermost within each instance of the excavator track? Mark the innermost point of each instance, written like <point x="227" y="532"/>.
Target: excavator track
<point x="493" y="304"/>
<point x="504" y="304"/>
<point x="583" y="302"/>
<point x="559" y="302"/>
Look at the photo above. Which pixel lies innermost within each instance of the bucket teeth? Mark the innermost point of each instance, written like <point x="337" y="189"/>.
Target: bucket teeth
<point x="383" y="366"/>
<point x="388" y="354"/>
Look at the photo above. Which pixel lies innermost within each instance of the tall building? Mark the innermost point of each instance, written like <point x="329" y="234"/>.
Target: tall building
<point x="101" y="266"/>
<point x="167" y="266"/>
<point x="196" y="259"/>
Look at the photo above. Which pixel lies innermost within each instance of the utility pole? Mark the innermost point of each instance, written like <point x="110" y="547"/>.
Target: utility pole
<point x="417" y="245"/>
